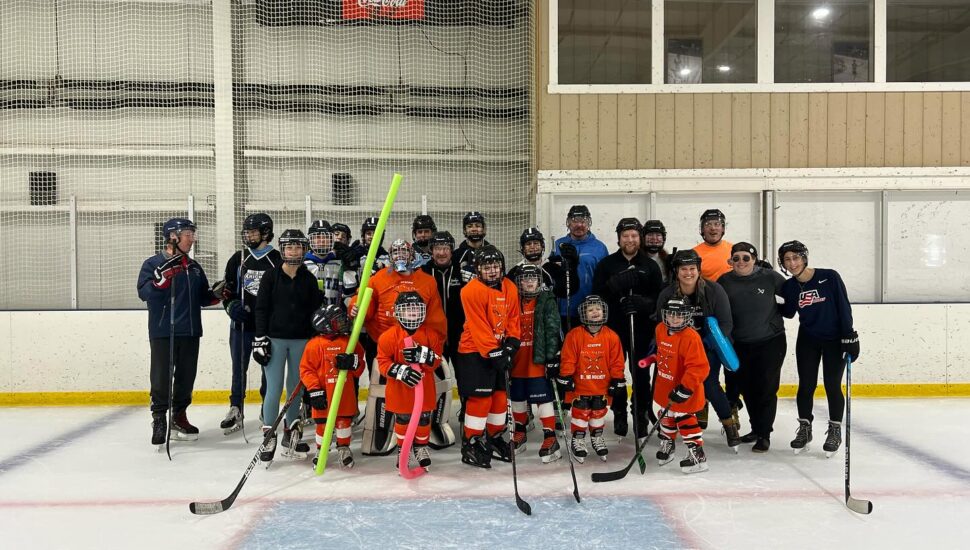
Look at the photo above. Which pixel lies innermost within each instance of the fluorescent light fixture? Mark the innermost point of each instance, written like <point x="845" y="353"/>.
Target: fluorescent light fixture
<point x="821" y="13"/>
<point x="685" y="71"/>
<point x="724" y="68"/>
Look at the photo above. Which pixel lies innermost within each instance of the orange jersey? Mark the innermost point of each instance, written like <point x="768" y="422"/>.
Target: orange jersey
<point x="387" y="284"/>
<point x="318" y="370"/>
<point x="714" y="259"/>
<point x="522" y="365"/>
<point x="390" y="350"/>
<point x="591" y="360"/>
<point x="490" y="315"/>
<point x="680" y="360"/>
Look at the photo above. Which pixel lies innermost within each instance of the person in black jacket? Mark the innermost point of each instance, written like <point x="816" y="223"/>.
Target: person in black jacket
<point x="654" y="238"/>
<point x="630" y="281"/>
<point x="164" y="274"/>
<point x="473" y="227"/>
<point x="288" y="296"/>
<point x="532" y="246"/>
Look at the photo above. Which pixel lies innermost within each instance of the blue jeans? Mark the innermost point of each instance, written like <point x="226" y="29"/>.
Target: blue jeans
<point x="712" y="387"/>
<point x="285" y="354"/>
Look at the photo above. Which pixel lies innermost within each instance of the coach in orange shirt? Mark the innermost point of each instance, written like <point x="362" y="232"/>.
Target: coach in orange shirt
<point x="713" y="250"/>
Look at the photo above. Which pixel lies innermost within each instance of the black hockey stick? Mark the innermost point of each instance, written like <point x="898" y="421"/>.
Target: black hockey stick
<point x="633" y="388"/>
<point x="565" y="442"/>
<point x="601" y="477"/>
<point x="523" y="505"/>
<point x="207" y="508"/>
<point x="171" y="363"/>
<point x="858" y="506"/>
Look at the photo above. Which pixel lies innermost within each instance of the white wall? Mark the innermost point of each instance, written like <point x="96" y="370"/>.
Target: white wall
<point x="108" y="350"/>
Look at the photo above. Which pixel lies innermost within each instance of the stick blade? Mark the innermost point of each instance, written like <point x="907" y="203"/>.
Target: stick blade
<point x="576" y="494"/>
<point x="603" y="477"/>
<point x="523" y="505"/>
<point x="207" y="508"/>
<point x="859" y="506"/>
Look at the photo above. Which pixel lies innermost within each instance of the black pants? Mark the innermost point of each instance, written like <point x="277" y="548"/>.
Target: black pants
<point x="808" y="352"/>
<point x="186" y="365"/>
<point x="759" y="376"/>
<point x="732" y="387"/>
<point x="642" y="378"/>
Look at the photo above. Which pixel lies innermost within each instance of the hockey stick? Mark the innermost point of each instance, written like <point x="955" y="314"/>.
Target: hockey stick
<point x="402" y="465"/>
<point x="600" y="477"/>
<point x="565" y="442"/>
<point x="171" y="364"/>
<point x="857" y="505"/>
<point x="633" y="390"/>
<point x="207" y="508"/>
<point x="364" y="293"/>
<point x="523" y="505"/>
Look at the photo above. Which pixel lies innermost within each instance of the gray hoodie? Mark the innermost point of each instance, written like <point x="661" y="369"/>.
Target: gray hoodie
<point x="756" y="313"/>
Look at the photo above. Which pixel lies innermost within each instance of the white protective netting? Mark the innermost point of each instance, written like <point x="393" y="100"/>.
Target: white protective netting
<point x="107" y="128"/>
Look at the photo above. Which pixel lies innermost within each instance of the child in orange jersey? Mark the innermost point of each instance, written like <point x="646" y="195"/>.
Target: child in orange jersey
<point x="488" y="344"/>
<point x="591" y="369"/>
<point x="540" y="346"/>
<point x="681" y="370"/>
<point x="405" y="365"/>
<point x="322" y="360"/>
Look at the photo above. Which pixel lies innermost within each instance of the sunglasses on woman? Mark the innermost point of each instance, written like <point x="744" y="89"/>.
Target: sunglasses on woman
<point x="740" y="258"/>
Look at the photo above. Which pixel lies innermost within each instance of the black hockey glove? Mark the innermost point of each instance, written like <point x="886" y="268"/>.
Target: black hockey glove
<point x="617" y="385"/>
<point x="622" y="282"/>
<point x="566" y="383"/>
<point x="262" y="350"/>
<point x="636" y="305"/>
<point x="420" y="354"/>
<point x="346" y="361"/>
<point x="237" y="311"/>
<point x="850" y="345"/>
<point x="511" y="345"/>
<point x="318" y="399"/>
<point x="680" y="394"/>
<point x="410" y="377"/>
<point x="499" y="360"/>
<point x="345" y="254"/>
<point x="569" y="253"/>
<point x="552" y="369"/>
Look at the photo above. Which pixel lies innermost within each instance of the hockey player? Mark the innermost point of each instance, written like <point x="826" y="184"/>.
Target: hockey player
<point x="540" y="346"/>
<point x="172" y="271"/>
<point x="654" y="239"/>
<point x="473" y="227"/>
<point x="591" y="370"/>
<point x="323" y="263"/>
<point x="629" y="282"/>
<point x="708" y="299"/>
<point x="532" y="246"/>
<point x="681" y="370"/>
<point x="825" y="334"/>
<point x="323" y="359"/>
<point x="714" y="251"/>
<point x="243" y="273"/>
<point x="287" y="299"/>
<point x="341" y="233"/>
<point x="589" y="252"/>
<point x="488" y="344"/>
<point x="422" y="228"/>
<point x="405" y="365"/>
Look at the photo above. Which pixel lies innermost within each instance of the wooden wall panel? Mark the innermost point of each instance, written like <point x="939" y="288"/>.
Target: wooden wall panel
<point x="683" y="131"/>
<point x="721" y="106"/>
<point x="818" y="124"/>
<point x="780" y="136"/>
<point x="607" y="136"/>
<point x="836" y="142"/>
<point x="855" y="138"/>
<point x="965" y="128"/>
<point x="912" y="129"/>
<point x="760" y="130"/>
<point x="950" y="130"/>
<point x="894" y="130"/>
<point x="626" y="131"/>
<point x="703" y="131"/>
<point x="798" y="123"/>
<point x="741" y="131"/>
<point x="665" y="131"/>
<point x="646" y="131"/>
<point x="932" y="129"/>
<point x="569" y="126"/>
<point x="589" y="107"/>
<point x="875" y="129"/>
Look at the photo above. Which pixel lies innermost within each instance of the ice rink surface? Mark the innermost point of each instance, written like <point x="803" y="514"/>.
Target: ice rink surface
<point x="88" y="478"/>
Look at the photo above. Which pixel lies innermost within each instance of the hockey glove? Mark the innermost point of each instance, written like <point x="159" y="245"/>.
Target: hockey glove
<point x="569" y="253"/>
<point x="262" y="350"/>
<point x="498" y="359"/>
<point x="680" y="394"/>
<point x="345" y="254"/>
<point x="410" y="377"/>
<point x="420" y="354"/>
<point x="617" y="385"/>
<point x="566" y="383"/>
<point x="622" y="282"/>
<point x="170" y="268"/>
<point x="220" y="289"/>
<point x="850" y="345"/>
<point x="635" y="305"/>
<point x="552" y="369"/>
<point x="511" y="345"/>
<point x="318" y="399"/>
<point x="346" y="361"/>
<point x="237" y="311"/>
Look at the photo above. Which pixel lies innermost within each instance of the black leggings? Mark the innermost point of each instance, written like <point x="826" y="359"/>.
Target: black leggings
<point x="759" y="376"/>
<point x="808" y="352"/>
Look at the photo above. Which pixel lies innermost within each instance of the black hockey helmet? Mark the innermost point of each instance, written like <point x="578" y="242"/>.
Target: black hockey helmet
<point x="293" y="236"/>
<point x="532" y="234"/>
<point x="654" y="226"/>
<point x="423" y="221"/>
<point x="331" y="320"/>
<point x="370" y="224"/>
<point x="525" y="274"/>
<point x="579" y="211"/>
<point x="410" y="310"/>
<point x="473" y="217"/>
<point x="677" y="314"/>
<point x="685" y="257"/>
<point x="260" y="222"/>
<point x="486" y="255"/>
<point x="337" y="226"/>
<point x="177" y="225"/>
<point x="625" y="224"/>
<point x="792" y="246"/>
<point x="324" y="245"/>
<point x="712" y="214"/>
<point x="442" y="238"/>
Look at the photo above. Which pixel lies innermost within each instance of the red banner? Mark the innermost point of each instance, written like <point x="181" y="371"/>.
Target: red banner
<point x="384" y="9"/>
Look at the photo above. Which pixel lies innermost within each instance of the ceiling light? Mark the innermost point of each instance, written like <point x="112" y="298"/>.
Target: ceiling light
<point x="821" y="13"/>
<point x="724" y="68"/>
<point x="685" y="71"/>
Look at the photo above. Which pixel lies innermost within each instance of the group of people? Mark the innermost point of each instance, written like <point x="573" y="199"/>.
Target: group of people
<point x="553" y="330"/>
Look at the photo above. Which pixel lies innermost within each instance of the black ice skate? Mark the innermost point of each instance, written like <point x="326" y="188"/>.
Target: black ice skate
<point x="293" y="444"/>
<point x="578" y="444"/>
<point x="233" y="421"/>
<point x="475" y="451"/>
<point x="833" y="439"/>
<point x="423" y="456"/>
<point x="666" y="451"/>
<point x="550" y="450"/>
<point x="803" y="436"/>
<point x="762" y="445"/>
<point x="598" y="442"/>
<point x="519" y="438"/>
<point x="268" y="451"/>
<point x="182" y="429"/>
<point x="501" y="449"/>
<point x="695" y="461"/>
<point x="731" y="433"/>
<point x="158" y="429"/>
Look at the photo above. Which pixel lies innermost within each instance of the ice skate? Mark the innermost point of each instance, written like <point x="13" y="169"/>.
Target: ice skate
<point x="762" y="445"/>
<point x="423" y="456"/>
<point x="158" y="429"/>
<point x="578" y="444"/>
<point x="293" y="445"/>
<point x="803" y="436"/>
<point x="550" y="449"/>
<point x="666" y="451"/>
<point x="731" y="433"/>
<point x="345" y="457"/>
<point x="182" y="429"/>
<point x="598" y="442"/>
<point x="519" y="438"/>
<point x="267" y="451"/>
<point x="476" y="452"/>
<point x="833" y="439"/>
<point x="695" y="461"/>
<point x="500" y="447"/>
<point x="233" y="421"/>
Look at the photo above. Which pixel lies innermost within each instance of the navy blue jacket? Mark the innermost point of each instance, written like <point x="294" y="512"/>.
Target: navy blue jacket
<point x="822" y="304"/>
<point x="191" y="295"/>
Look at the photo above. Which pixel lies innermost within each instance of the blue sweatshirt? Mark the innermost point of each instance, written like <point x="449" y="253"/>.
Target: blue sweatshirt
<point x="822" y="304"/>
<point x="191" y="295"/>
<point x="591" y="250"/>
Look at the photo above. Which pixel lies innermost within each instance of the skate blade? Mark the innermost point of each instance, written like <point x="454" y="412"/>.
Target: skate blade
<point x="232" y="430"/>
<point x="800" y="451"/>
<point x="184" y="437"/>
<point x="520" y="448"/>
<point x="501" y="458"/>
<point x="735" y="449"/>
<point x="661" y="461"/>
<point x="580" y="459"/>
<point x="294" y="455"/>
<point x="552" y="457"/>
<point x="603" y="458"/>
<point x="476" y="464"/>
<point x="695" y="469"/>
<point x="349" y="466"/>
<point x="828" y="454"/>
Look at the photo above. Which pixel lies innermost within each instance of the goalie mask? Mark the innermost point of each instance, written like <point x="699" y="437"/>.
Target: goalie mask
<point x="410" y="310"/>
<point x="331" y="320"/>
<point x="401" y="255"/>
<point x="593" y="312"/>
<point x="677" y="315"/>
<point x="529" y="281"/>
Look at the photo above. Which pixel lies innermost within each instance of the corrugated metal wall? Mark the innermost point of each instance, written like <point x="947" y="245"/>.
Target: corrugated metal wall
<point x="749" y="130"/>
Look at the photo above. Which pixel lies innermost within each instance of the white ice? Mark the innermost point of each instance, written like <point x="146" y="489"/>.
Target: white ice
<point x="88" y="478"/>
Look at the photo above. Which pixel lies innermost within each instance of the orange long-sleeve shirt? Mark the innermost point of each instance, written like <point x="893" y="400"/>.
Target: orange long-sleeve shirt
<point x="714" y="259"/>
<point x="490" y="315"/>
<point x="591" y="359"/>
<point x="390" y="350"/>
<point x="387" y="284"/>
<point x="680" y="360"/>
<point x="318" y="370"/>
